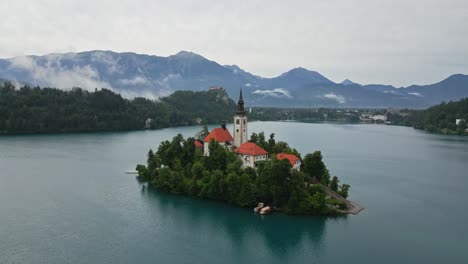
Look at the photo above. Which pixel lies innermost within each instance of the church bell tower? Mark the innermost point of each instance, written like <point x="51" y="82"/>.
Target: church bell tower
<point x="240" y="123"/>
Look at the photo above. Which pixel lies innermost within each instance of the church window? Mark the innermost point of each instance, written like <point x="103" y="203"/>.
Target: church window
<point x="244" y="121"/>
<point x="237" y="130"/>
<point x="237" y="121"/>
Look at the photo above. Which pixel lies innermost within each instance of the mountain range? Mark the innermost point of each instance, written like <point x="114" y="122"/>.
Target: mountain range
<point x="152" y="76"/>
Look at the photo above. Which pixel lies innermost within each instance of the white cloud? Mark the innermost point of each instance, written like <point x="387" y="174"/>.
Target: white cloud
<point x="339" y="98"/>
<point x="25" y="63"/>
<point x="247" y="84"/>
<point x="342" y="39"/>
<point x="416" y="94"/>
<point x="165" y="86"/>
<point x="106" y="58"/>
<point x="145" y="93"/>
<point x="138" y="80"/>
<point x="167" y="83"/>
<point x="53" y="74"/>
<point x="278" y="92"/>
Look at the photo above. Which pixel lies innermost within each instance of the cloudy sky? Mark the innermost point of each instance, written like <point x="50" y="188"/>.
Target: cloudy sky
<point x="398" y="42"/>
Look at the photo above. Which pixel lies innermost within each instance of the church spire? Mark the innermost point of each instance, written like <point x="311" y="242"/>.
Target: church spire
<point x="240" y="105"/>
<point x="240" y="123"/>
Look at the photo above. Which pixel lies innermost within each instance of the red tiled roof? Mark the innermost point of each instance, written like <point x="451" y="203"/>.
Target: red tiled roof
<point x="249" y="148"/>
<point x="292" y="158"/>
<point x="219" y="134"/>
<point x="198" y="144"/>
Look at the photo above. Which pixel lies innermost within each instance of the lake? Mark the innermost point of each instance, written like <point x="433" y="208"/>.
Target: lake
<point x="66" y="199"/>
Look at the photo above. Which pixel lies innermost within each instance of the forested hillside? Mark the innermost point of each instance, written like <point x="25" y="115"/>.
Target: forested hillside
<point x="440" y="118"/>
<point x="50" y="110"/>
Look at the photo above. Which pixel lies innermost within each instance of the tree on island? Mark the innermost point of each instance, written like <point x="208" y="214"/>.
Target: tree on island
<point x="176" y="167"/>
<point x="203" y="133"/>
<point x="344" y="190"/>
<point x="271" y="146"/>
<point x="334" y="184"/>
<point x="313" y="166"/>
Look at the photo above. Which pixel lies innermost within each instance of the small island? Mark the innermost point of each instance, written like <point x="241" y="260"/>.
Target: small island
<point x="245" y="172"/>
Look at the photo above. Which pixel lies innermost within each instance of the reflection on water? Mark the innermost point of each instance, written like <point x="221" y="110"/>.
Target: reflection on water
<point x="280" y="233"/>
<point x="65" y="199"/>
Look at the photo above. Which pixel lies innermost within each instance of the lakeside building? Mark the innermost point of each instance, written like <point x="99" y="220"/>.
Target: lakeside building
<point x="372" y="117"/>
<point x="293" y="160"/>
<point x="240" y="123"/>
<point x="216" y="88"/>
<point x="250" y="153"/>
<point x="221" y="135"/>
<point x="198" y="145"/>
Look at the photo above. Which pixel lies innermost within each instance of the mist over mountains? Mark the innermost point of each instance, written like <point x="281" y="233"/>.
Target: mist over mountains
<point x="134" y="74"/>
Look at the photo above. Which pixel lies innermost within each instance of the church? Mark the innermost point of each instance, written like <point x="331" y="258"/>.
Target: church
<point x="250" y="153"/>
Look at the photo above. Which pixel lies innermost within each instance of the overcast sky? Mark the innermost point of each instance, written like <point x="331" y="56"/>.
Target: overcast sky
<point x="398" y="42"/>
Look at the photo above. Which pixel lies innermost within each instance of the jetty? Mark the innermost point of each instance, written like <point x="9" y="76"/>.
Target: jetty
<point x="353" y="207"/>
<point x="131" y="172"/>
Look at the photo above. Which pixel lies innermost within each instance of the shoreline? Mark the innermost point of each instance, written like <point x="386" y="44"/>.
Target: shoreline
<point x="13" y="134"/>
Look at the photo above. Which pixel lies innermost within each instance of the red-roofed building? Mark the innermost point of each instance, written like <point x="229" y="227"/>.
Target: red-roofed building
<point x="221" y="135"/>
<point x="198" y="144"/>
<point x="250" y="153"/>
<point x="293" y="160"/>
<point x="216" y="88"/>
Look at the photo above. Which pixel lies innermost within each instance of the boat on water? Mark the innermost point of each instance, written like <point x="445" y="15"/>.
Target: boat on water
<point x="265" y="210"/>
<point x="258" y="208"/>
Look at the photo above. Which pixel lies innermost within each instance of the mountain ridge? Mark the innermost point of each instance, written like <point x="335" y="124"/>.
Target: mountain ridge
<point x="133" y="74"/>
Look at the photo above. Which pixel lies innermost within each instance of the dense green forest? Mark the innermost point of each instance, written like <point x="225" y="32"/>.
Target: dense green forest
<point x="178" y="168"/>
<point x="303" y="114"/>
<point x="50" y="110"/>
<point x="438" y="119"/>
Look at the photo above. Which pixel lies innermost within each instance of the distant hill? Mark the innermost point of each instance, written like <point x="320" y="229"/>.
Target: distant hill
<point x="440" y="118"/>
<point x="132" y="74"/>
<point x="349" y="82"/>
<point x="48" y="110"/>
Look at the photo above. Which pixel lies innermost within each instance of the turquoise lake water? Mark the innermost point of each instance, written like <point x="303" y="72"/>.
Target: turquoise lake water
<point x="66" y="199"/>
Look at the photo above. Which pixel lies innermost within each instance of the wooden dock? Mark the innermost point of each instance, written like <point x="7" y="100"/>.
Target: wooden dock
<point x="353" y="207"/>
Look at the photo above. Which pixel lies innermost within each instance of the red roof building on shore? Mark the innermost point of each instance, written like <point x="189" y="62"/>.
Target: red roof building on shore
<point x="216" y="88"/>
<point x="249" y="148"/>
<point x="220" y="134"/>
<point x="198" y="144"/>
<point x="250" y="153"/>
<point x="293" y="159"/>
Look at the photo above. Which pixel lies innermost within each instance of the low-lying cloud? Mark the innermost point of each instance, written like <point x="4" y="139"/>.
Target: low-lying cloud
<point x="416" y="94"/>
<point x="339" y="98"/>
<point x="53" y="74"/>
<point x="53" y="70"/>
<point x="278" y="92"/>
<point x="138" y="80"/>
